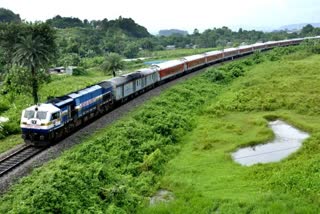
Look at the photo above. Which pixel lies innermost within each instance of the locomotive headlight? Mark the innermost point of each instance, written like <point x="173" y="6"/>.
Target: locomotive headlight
<point x="46" y="124"/>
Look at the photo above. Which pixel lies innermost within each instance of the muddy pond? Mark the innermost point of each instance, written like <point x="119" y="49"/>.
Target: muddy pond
<point x="287" y="141"/>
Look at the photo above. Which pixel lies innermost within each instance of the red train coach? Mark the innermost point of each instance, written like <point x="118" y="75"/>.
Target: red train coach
<point x="213" y="56"/>
<point x="194" y="61"/>
<point x="258" y="46"/>
<point x="170" y="68"/>
<point x="230" y="52"/>
<point x="245" y="49"/>
<point x="271" y="44"/>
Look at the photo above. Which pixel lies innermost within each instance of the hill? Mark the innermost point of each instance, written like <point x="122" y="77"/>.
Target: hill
<point x="8" y="16"/>
<point x="297" y="27"/>
<point x="125" y="25"/>
<point x="173" y="32"/>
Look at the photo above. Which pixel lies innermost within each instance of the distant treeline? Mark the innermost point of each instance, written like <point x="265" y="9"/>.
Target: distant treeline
<point x="83" y="38"/>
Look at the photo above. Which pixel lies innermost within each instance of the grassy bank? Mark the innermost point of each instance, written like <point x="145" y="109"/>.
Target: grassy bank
<point x="181" y="141"/>
<point x="203" y="176"/>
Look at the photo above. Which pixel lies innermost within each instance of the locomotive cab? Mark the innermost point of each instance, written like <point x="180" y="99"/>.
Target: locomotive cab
<point x="38" y="123"/>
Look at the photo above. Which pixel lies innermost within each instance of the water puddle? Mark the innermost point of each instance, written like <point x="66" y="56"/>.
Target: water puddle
<point x="162" y="196"/>
<point x="287" y="140"/>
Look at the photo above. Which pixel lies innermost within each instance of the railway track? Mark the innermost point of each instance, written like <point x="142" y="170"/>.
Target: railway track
<point x="18" y="157"/>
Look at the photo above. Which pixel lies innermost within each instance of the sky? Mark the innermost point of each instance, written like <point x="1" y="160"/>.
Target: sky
<point x="170" y="14"/>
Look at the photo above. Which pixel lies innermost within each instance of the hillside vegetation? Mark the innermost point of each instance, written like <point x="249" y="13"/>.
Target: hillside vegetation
<point x="181" y="141"/>
<point x="205" y="179"/>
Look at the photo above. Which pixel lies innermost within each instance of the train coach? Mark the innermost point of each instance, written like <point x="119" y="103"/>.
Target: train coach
<point x="194" y="62"/>
<point x="213" y="57"/>
<point x="170" y="69"/>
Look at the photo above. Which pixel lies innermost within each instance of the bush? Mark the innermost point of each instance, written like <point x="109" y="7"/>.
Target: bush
<point x="79" y="72"/>
<point x="214" y="75"/>
<point x="4" y="105"/>
<point x="257" y="58"/>
<point x="236" y="72"/>
<point x="91" y="62"/>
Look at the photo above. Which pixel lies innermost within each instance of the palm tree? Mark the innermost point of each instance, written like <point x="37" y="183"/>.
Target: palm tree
<point x="113" y="63"/>
<point x="34" y="51"/>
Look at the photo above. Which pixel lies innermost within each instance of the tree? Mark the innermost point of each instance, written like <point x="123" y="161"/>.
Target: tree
<point x="70" y="59"/>
<point x="196" y="32"/>
<point x="307" y="30"/>
<point x="113" y="63"/>
<point x="34" y="51"/>
<point x="131" y="50"/>
<point x="65" y="22"/>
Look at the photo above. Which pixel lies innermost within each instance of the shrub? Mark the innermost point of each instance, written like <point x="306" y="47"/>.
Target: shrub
<point x="236" y="72"/>
<point x="214" y="75"/>
<point x="257" y="58"/>
<point x="79" y="72"/>
<point x="91" y="62"/>
<point x="4" y="105"/>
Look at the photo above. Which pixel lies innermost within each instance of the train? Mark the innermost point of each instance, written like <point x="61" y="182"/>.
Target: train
<point x="47" y="123"/>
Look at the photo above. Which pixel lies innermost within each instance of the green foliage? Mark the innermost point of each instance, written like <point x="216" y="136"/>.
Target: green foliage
<point x="65" y="22"/>
<point x="257" y="58"/>
<point x="32" y="47"/>
<point x="206" y="179"/>
<point x="79" y="71"/>
<point x="71" y="59"/>
<point x="4" y="105"/>
<point x="214" y="75"/>
<point x="131" y="51"/>
<point x="313" y="46"/>
<point x="307" y="30"/>
<point x="8" y="16"/>
<point x="113" y="63"/>
<point x="19" y="80"/>
<point x="91" y="62"/>
<point x="8" y="128"/>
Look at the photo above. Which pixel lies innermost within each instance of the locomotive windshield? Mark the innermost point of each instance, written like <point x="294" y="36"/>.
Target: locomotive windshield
<point x="29" y="114"/>
<point x="41" y="115"/>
